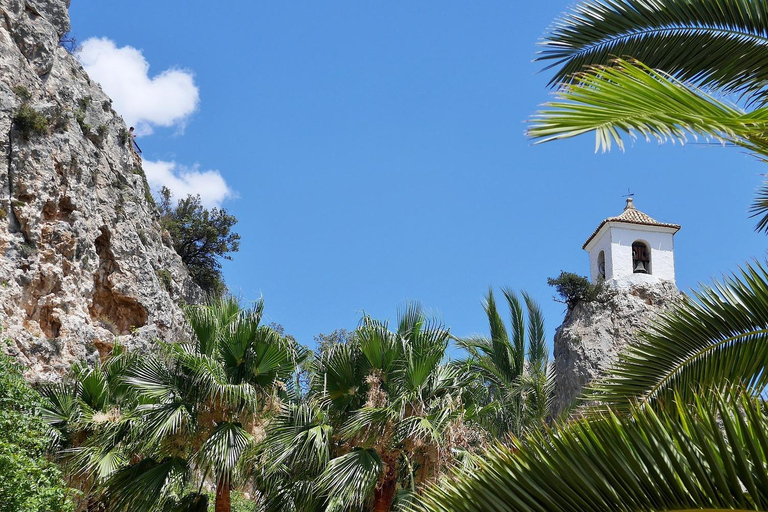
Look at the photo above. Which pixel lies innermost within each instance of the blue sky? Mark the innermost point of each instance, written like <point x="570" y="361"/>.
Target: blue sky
<point x="374" y="153"/>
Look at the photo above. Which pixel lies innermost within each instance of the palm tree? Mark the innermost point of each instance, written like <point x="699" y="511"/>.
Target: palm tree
<point x="198" y="408"/>
<point x="82" y="406"/>
<point x="675" y="57"/>
<point x="517" y="381"/>
<point x="385" y="415"/>
<point x="711" y="455"/>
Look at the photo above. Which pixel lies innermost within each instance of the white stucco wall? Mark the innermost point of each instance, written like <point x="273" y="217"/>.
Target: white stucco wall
<point x="616" y="238"/>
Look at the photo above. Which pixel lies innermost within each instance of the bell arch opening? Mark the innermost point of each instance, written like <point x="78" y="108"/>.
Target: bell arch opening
<point x="601" y="265"/>
<point x="641" y="257"/>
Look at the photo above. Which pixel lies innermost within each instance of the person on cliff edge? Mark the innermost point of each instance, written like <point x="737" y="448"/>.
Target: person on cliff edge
<point x="132" y="137"/>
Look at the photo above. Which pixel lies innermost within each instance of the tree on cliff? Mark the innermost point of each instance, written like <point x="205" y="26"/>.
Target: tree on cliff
<point x="200" y="236"/>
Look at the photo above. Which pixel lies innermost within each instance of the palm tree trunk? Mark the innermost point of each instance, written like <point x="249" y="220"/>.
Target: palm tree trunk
<point x="223" y="500"/>
<point x="384" y="494"/>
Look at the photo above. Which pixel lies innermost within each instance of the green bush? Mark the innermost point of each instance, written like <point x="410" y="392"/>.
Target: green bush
<point x="30" y="122"/>
<point x="573" y="288"/>
<point x="165" y="279"/>
<point x="22" y="92"/>
<point x="29" y="482"/>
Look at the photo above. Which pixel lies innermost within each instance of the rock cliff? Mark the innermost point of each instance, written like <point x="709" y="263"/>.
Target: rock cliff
<point x="594" y="333"/>
<point x="83" y="259"/>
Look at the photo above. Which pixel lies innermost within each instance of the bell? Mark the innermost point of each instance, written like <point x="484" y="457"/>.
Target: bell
<point x="640" y="267"/>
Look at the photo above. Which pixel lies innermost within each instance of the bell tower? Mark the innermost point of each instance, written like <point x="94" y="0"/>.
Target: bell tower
<point x="632" y="248"/>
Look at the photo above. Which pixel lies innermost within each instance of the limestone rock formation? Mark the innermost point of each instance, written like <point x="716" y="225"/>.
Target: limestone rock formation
<point x="83" y="259"/>
<point x="594" y="333"/>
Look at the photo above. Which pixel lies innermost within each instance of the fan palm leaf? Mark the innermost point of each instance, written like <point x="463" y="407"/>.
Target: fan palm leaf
<point x="221" y="452"/>
<point x="142" y="486"/>
<point x="718" y="337"/>
<point x="349" y="480"/>
<point x="716" y="43"/>
<point x="712" y="456"/>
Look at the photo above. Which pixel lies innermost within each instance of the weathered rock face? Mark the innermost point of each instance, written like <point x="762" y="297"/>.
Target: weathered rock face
<point x="593" y="334"/>
<point x="83" y="259"/>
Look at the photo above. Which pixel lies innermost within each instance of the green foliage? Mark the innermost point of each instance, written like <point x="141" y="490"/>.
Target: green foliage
<point x="240" y="503"/>
<point x="383" y="414"/>
<point x="29" y="482"/>
<point x="166" y="279"/>
<point x="326" y="342"/>
<point x="513" y="383"/>
<point x="145" y="432"/>
<point x="123" y="137"/>
<point x="30" y="122"/>
<point x="200" y="236"/>
<point x="707" y="455"/>
<point x="573" y="288"/>
<point x="22" y="92"/>
<point x="80" y="118"/>
<point x="667" y="35"/>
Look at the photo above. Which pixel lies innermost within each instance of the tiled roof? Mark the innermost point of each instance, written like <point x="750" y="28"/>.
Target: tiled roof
<point x="631" y="215"/>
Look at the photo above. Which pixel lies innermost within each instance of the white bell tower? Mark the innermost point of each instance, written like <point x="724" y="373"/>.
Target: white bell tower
<point x="632" y="248"/>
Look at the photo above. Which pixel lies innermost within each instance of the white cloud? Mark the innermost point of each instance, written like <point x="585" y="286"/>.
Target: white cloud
<point x="182" y="181"/>
<point x="167" y="99"/>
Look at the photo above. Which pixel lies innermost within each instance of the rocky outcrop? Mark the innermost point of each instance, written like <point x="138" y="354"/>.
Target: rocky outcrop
<point x="594" y="333"/>
<point x="83" y="260"/>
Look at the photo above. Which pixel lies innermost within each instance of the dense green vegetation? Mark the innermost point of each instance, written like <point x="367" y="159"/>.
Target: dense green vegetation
<point x="145" y="433"/>
<point x="29" y="481"/>
<point x="363" y="423"/>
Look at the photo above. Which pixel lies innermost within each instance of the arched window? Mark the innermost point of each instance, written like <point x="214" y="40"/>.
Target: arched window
<point x="641" y="257"/>
<point x="601" y="265"/>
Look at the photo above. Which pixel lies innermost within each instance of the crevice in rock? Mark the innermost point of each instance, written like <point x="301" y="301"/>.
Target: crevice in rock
<point x="14" y="226"/>
<point x="114" y="311"/>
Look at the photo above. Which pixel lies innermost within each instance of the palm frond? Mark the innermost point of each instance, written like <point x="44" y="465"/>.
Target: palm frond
<point x="141" y="486"/>
<point x="631" y="98"/>
<point x="349" y="480"/>
<point x="501" y="352"/>
<point x="300" y="439"/>
<point x="220" y="453"/>
<point x="518" y="331"/>
<point x="759" y="208"/>
<point x="538" y="356"/>
<point x="717" y="338"/>
<point x="61" y="407"/>
<point x="714" y="43"/>
<point x="340" y="379"/>
<point x="162" y="420"/>
<point x="711" y="456"/>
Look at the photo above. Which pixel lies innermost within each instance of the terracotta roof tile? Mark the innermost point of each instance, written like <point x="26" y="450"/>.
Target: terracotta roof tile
<point x="631" y="215"/>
